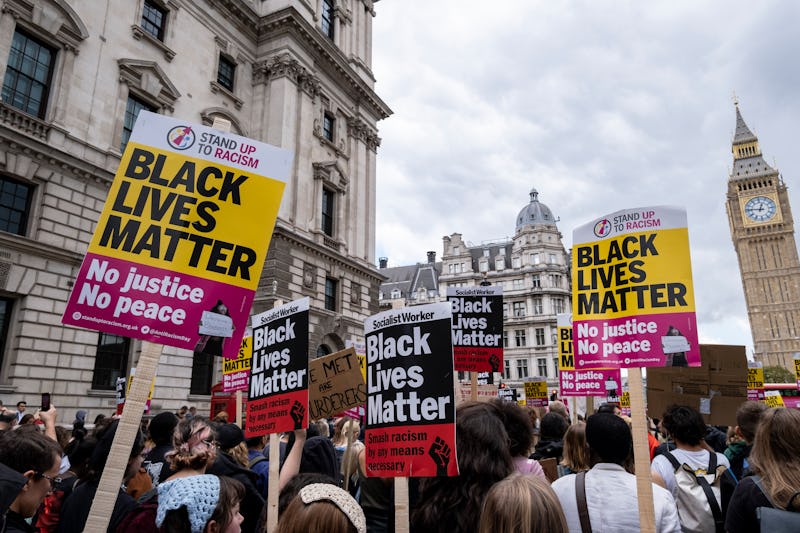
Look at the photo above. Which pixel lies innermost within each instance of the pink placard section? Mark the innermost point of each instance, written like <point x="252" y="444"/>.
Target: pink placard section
<point x="154" y="304"/>
<point x="589" y="382"/>
<point x="640" y="341"/>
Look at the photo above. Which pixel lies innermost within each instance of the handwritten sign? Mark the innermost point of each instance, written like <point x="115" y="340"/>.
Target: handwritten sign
<point x="335" y="384"/>
<point x="215" y="324"/>
<point x="176" y="235"/>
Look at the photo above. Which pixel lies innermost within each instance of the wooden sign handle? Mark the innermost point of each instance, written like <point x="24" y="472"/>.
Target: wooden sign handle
<point x="641" y="452"/>
<point x="117" y="460"/>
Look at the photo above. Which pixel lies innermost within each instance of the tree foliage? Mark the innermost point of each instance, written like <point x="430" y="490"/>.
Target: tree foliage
<point x="778" y="374"/>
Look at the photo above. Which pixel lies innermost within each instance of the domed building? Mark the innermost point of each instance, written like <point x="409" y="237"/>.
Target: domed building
<point x="533" y="269"/>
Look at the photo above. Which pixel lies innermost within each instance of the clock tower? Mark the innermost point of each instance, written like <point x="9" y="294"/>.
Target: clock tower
<point x="762" y="229"/>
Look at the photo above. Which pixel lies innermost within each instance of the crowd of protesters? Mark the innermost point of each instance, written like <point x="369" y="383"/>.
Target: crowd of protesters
<point x="189" y="473"/>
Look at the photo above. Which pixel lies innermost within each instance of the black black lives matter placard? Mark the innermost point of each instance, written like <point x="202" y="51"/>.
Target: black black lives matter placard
<point x="410" y="429"/>
<point x="278" y="394"/>
<point x="477" y="328"/>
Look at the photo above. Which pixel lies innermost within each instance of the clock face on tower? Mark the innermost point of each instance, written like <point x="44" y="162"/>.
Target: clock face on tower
<point x="760" y="208"/>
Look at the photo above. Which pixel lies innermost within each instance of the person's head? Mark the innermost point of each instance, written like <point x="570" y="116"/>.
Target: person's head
<point x="522" y="504"/>
<point x="320" y="428"/>
<point x="518" y="427"/>
<point x="576" y="451"/>
<point x="553" y="426"/>
<point x="193" y="445"/>
<point x="26" y="419"/>
<point x="319" y="457"/>
<point x="776" y="454"/>
<point x="345" y="426"/>
<point x="256" y="443"/>
<point x="200" y="504"/>
<point x="7" y="420"/>
<point x="483" y="460"/>
<point x="297" y="482"/>
<point x="532" y="413"/>
<point x="609" y="439"/>
<point x="161" y="428"/>
<point x="21" y="406"/>
<point x="221" y="417"/>
<point x="684" y="424"/>
<point x="609" y="408"/>
<point x="558" y="407"/>
<point x="748" y="415"/>
<point x="38" y="458"/>
<point x="79" y="451"/>
<point x="322" y="507"/>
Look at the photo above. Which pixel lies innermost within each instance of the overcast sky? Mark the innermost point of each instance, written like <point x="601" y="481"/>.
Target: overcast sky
<point x="600" y="105"/>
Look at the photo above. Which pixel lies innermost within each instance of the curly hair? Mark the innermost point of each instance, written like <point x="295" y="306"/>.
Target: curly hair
<point x="453" y="504"/>
<point x="193" y="446"/>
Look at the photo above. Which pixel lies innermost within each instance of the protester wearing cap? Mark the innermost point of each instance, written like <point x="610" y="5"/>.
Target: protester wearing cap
<point x="161" y="429"/>
<point x="610" y="491"/>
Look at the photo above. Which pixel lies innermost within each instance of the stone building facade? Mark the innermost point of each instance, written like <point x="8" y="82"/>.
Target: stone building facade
<point x="293" y="73"/>
<point x="533" y="268"/>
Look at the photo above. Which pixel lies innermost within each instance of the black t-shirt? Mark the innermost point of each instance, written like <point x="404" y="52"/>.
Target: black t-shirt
<point x="741" y="516"/>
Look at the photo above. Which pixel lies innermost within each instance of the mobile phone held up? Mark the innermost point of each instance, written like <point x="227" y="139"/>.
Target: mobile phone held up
<point x="45" y="401"/>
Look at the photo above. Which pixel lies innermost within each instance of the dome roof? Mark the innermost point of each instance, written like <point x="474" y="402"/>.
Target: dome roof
<point x="535" y="213"/>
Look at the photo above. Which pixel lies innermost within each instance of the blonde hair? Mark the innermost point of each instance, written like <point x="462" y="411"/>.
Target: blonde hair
<point x="776" y="454"/>
<point x="576" y="451"/>
<point x="342" y="427"/>
<point x="522" y="504"/>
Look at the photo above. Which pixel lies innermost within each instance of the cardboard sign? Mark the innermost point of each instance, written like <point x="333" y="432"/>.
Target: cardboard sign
<point x="536" y="392"/>
<point x="278" y="397"/>
<point x="236" y="372"/>
<point x="177" y="235"/>
<point x="755" y="380"/>
<point x="773" y="398"/>
<point x="633" y="299"/>
<point x="477" y="328"/>
<point x="721" y="381"/>
<point x="410" y="427"/>
<point x="335" y="384"/>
